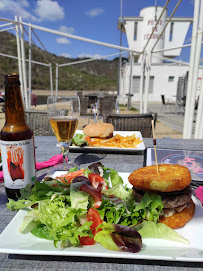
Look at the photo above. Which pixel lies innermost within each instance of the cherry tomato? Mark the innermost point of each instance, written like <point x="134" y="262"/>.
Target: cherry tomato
<point x="86" y="240"/>
<point x="92" y="215"/>
<point x="88" y="139"/>
<point x="97" y="180"/>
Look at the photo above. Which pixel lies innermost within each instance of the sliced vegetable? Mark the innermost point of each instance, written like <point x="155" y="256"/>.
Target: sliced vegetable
<point x="96" y="195"/>
<point x="93" y="216"/>
<point x="118" y="237"/>
<point x="96" y="168"/>
<point x="68" y="177"/>
<point x="97" y="181"/>
<point x="81" y="140"/>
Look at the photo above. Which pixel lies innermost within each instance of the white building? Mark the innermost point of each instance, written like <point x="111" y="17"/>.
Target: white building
<point x="164" y="77"/>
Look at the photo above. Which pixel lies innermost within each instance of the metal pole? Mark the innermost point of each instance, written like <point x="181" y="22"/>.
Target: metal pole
<point x="187" y="128"/>
<point x="23" y="63"/>
<point x="130" y="81"/>
<point x="76" y="37"/>
<point x="166" y="25"/>
<point x="7" y="29"/>
<point x="57" y="70"/>
<point x="120" y="65"/>
<point x="141" y="89"/>
<point x="19" y="60"/>
<point x="30" y="66"/>
<point x="51" y="79"/>
<point x="199" y="123"/>
<point x="147" y="79"/>
<point x="3" y="25"/>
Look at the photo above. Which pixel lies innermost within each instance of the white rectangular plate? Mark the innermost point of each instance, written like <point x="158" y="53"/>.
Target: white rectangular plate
<point x="13" y="242"/>
<point x="140" y="147"/>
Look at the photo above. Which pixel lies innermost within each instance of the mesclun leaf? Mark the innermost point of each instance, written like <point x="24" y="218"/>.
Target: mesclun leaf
<point x="72" y="169"/>
<point x="79" y="199"/>
<point x="118" y="190"/>
<point x="96" y="168"/>
<point x="26" y="192"/>
<point x="150" y="229"/>
<point x="117" y="237"/>
<point x="150" y="207"/>
<point x="20" y="204"/>
<point x="79" y="140"/>
<point x="41" y="231"/>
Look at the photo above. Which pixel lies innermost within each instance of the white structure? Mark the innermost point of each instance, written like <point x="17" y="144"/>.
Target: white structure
<point x="164" y="34"/>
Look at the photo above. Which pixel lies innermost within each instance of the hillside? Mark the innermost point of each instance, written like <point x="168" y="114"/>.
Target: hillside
<point x="94" y="75"/>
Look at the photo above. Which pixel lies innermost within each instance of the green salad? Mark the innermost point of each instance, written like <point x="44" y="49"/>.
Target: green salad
<point x="86" y="206"/>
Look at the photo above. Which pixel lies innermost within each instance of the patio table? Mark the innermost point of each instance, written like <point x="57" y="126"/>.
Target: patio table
<point x="128" y="162"/>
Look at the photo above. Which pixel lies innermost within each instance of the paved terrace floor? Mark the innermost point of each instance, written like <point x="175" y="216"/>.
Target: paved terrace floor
<point x="168" y="124"/>
<point x="168" y="116"/>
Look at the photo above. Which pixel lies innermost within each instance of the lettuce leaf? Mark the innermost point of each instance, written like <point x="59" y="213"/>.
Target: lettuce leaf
<point x="117" y="237"/>
<point x="79" y="140"/>
<point x="117" y="190"/>
<point x="150" y="229"/>
<point x="79" y="199"/>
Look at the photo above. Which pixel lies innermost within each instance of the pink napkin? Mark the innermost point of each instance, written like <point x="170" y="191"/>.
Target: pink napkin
<point x="57" y="159"/>
<point x="199" y="193"/>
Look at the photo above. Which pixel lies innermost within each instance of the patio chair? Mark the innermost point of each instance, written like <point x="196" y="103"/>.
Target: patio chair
<point x="132" y="122"/>
<point x="39" y="122"/>
<point x="180" y="105"/>
<point x="106" y="105"/>
<point x="85" y="111"/>
<point x="167" y="103"/>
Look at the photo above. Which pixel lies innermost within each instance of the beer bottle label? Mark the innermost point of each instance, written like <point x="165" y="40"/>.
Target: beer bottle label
<point x="18" y="162"/>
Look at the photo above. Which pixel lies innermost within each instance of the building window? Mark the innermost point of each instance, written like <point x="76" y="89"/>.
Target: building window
<point x="136" y="84"/>
<point x="171" y="32"/>
<point x="135" y="31"/>
<point x="170" y="78"/>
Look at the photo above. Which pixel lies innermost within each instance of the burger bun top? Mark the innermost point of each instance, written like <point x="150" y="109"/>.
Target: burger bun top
<point x="102" y="130"/>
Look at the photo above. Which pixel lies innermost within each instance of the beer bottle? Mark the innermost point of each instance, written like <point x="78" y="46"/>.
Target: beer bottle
<point x="17" y="141"/>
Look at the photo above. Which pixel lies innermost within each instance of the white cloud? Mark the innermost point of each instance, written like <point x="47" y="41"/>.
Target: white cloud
<point x="49" y="10"/>
<point x="62" y="41"/>
<point x="65" y="29"/>
<point x="94" y="12"/>
<point x="17" y="8"/>
<point x="97" y="56"/>
<point x="66" y="55"/>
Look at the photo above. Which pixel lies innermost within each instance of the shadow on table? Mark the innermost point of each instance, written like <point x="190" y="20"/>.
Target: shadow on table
<point x="105" y="261"/>
<point x="88" y="158"/>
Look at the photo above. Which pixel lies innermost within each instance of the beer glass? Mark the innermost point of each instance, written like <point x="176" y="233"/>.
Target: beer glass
<point x="64" y="113"/>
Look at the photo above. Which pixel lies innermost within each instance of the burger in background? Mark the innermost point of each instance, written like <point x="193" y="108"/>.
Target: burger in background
<point x="99" y="130"/>
<point x="172" y="183"/>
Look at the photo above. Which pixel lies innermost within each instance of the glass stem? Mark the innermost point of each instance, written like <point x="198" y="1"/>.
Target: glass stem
<point x="65" y="151"/>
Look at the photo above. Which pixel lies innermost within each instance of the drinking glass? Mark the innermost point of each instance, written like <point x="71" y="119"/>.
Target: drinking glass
<point x="64" y="113"/>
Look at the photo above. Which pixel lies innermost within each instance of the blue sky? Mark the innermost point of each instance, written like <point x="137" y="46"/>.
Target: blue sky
<point x="94" y="19"/>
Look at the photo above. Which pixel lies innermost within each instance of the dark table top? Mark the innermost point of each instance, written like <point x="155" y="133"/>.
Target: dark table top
<point x="128" y="162"/>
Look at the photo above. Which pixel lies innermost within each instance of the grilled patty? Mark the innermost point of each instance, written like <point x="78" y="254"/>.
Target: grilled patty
<point x="169" y="199"/>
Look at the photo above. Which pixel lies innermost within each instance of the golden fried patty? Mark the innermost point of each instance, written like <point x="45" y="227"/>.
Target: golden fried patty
<point x="179" y="220"/>
<point x="169" y="178"/>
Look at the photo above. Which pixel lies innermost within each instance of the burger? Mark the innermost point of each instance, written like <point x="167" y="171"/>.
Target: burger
<point x="99" y="130"/>
<point x="172" y="183"/>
